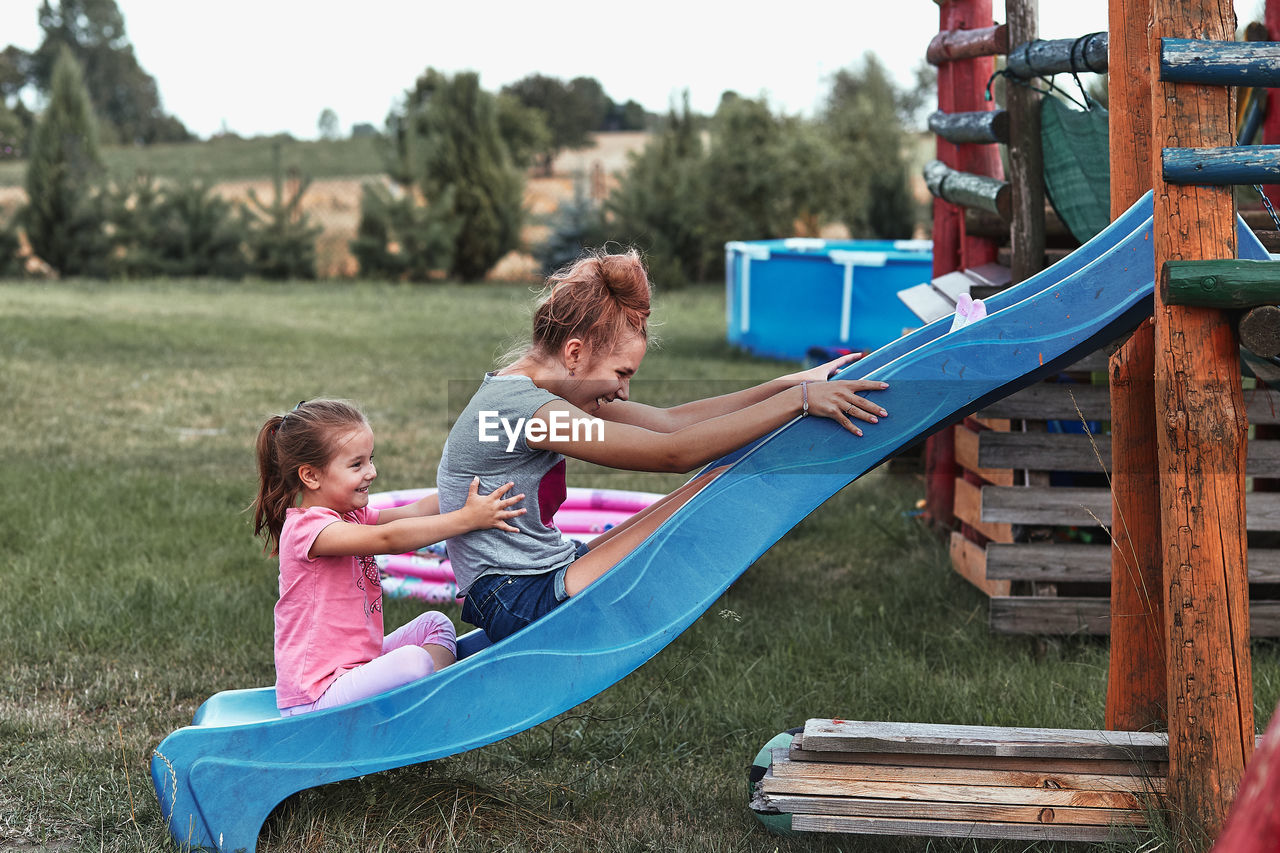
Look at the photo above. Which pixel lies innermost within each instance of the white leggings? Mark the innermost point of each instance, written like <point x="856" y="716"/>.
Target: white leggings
<point x="403" y="659"/>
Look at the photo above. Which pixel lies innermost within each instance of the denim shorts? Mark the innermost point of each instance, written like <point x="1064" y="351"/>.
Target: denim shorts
<point x="503" y="604"/>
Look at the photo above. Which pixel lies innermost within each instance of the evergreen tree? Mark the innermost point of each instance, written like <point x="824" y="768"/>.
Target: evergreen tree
<point x="64" y="218"/>
<point x="578" y="225"/>
<point x="123" y="94"/>
<point x="174" y="230"/>
<point x="398" y="238"/>
<point x="281" y="238"/>
<point x="660" y="206"/>
<point x="10" y="264"/>
<point x="454" y="149"/>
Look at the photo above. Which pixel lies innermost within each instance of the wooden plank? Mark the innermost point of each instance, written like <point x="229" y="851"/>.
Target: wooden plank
<point x="968" y="455"/>
<point x="935" y="793"/>
<point x="784" y="767"/>
<point x="1042" y="451"/>
<point x="969" y="561"/>
<point x="1058" y="616"/>
<point x="1099" y="766"/>
<point x="949" y="828"/>
<point x="967" y="189"/>
<point x="952" y="285"/>
<point x="990" y="812"/>
<point x="870" y="736"/>
<point x="926" y="303"/>
<point x="977" y="128"/>
<point x="1220" y="63"/>
<point x="1088" y="507"/>
<point x="951" y="45"/>
<point x="1050" y="562"/>
<point x="1055" y="562"/>
<point x="1058" y="56"/>
<point x="1051" y="401"/>
<point x="1082" y="453"/>
<point x="1230" y="283"/>
<point x="1060" y="505"/>
<point x="968" y="508"/>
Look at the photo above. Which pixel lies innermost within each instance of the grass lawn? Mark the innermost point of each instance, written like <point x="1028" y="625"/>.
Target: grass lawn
<point x="131" y="588"/>
<point x="229" y="159"/>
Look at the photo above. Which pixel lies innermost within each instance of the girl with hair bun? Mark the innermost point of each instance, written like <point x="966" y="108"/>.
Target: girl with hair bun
<point x="568" y="394"/>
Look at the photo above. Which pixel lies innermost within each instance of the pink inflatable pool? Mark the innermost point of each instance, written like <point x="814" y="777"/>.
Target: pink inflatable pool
<point x="427" y="574"/>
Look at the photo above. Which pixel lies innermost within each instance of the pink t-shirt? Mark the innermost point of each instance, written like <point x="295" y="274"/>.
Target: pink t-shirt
<point x="329" y="616"/>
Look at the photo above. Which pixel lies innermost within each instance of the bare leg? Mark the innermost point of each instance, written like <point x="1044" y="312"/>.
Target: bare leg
<point x="612" y="546"/>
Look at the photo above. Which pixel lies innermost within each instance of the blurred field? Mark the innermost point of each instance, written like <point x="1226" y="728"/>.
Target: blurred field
<point x="339" y="169"/>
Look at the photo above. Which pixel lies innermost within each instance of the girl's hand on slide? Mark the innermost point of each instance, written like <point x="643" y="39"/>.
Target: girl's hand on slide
<point x="823" y="372"/>
<point x="493" y="510"/>
<point x="841" y="401"/>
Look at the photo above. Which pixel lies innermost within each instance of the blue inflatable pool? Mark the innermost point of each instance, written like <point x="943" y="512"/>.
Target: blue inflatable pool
<point x="785" y="296"/>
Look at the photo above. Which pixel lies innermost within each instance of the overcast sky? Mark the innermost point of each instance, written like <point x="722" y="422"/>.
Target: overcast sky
<point x="266" y="66"/>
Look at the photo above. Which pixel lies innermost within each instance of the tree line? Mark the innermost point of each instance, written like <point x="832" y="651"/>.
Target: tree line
<point x="457" y="160"/>
<point x="459" y="156"/>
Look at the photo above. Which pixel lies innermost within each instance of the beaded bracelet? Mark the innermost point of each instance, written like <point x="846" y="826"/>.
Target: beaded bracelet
<point x="804" y="394"/>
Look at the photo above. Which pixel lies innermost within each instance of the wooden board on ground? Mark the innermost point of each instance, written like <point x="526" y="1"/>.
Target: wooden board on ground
<point x="952" y="829"/>
<point x="867" y="736"/>
<point x="1033" y="814"/>
<point x="1039" y="774"/>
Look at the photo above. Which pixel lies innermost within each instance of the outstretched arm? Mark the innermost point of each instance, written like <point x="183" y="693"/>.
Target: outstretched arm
<point x="429" y="505"/>
<point x="686" y="414"/>
<point x="344" y="539"/>
<point x="637" y="448"/>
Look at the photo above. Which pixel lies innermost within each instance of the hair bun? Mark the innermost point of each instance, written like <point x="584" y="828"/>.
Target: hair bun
<point x="625" y="277"/>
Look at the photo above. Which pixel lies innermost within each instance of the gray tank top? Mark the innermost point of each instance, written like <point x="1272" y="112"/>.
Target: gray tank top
<point x="538" y="474"/>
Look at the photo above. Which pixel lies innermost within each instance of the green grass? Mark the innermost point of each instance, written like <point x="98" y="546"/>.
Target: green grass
<point x="131" y="588"/>
<point x="229" y="160"/>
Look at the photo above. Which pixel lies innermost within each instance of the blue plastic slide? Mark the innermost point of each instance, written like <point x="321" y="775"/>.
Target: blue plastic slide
<point x="218" y="779"/>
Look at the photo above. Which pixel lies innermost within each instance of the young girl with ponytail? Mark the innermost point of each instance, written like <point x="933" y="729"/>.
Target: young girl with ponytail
<point x="590" y="333"/>
<point x="315" y="465"/>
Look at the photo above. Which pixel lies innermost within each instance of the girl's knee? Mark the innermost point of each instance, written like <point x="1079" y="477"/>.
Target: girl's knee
<point x="439" y="631"/>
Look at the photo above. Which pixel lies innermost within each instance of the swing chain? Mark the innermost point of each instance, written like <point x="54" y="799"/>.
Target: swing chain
<point x="1266" y="202"/>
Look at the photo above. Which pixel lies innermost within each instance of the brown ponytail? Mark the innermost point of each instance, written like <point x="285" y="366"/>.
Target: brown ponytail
<point x="600" y="299"/>
<point x="304" y="436"/>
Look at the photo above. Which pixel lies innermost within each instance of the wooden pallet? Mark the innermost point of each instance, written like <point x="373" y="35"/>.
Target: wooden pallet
<point x="1014" y="521"/>
<point x="965" y="781"/>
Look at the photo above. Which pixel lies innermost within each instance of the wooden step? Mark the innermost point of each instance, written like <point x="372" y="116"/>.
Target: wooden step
<point x="865" y="736"/>
<point x="883" y="778"/>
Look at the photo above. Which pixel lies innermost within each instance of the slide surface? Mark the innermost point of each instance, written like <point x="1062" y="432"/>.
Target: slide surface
<point x="218" y="779"/>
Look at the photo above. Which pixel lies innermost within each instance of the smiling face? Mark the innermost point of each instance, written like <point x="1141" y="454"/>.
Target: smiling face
<point x="603" y="378"/>
<point x="343" y="483"/>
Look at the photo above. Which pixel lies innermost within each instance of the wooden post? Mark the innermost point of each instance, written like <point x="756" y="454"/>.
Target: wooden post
<point x="1136" y="681"/>
<point x="960" y="89"/>
<point x="1026" y="160"/>
<point x="1201" y="433"/>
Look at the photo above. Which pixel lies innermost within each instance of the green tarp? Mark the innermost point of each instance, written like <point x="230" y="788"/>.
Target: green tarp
<point x="1077" y="175"/>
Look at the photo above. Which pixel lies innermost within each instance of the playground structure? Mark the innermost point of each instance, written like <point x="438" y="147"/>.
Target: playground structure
<point x="219" y="778"/>
<point x="1178" y="577"/>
